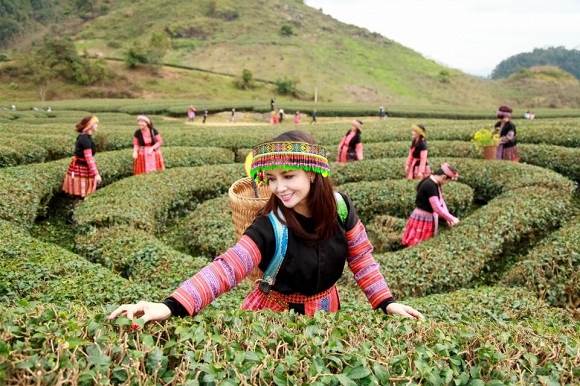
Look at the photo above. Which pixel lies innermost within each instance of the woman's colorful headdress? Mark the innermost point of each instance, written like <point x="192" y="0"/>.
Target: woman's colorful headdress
<point x="289" y="155"/>
<point x="91" y="122"/>
<point x="504" y="112"/>
<point x="419" y="130"/>
<point x="449" y="172"/>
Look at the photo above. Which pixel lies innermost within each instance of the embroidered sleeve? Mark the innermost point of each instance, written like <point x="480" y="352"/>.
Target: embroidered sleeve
<point x="440" y="208"/>
<point x="409" y="159"/>
<point x="88" y="153"/>
<point x="423" y="161"/>
<point x="359" y="151"/>
<point x="364" y="267"/>
<point x="135" y="142"/>
<point x="218" y="277"/>
<point x="340" y="145"/>
<point x="158" y="142"/>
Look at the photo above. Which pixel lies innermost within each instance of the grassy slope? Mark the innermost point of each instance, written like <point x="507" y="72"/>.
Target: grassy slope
<point x="346" y="63"/>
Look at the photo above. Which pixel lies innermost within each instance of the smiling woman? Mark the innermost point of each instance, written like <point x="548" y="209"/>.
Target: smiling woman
<point x="301" y="240"/>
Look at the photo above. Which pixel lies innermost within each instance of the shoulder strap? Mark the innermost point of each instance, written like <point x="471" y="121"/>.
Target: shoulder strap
<point x="341" y="207"/>
<point x="281" y="237"/>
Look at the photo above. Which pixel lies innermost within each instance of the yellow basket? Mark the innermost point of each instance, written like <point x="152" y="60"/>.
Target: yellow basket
<point x="244" y="203"/>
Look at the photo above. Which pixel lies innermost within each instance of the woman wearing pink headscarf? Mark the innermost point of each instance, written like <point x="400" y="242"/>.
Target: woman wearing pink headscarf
<point x="430" y="205"/>
<point x="147" y="143"/>
<point x="350" y="147"/>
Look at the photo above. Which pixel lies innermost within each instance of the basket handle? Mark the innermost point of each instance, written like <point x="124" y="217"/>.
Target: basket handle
<point x="247" y="167"/>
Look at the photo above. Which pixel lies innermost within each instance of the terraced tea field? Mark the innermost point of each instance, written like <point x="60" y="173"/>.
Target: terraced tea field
<point x="500" y="291"/>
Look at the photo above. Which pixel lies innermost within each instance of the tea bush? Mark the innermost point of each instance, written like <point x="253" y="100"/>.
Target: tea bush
<point x="552" y="269"/>
<point x="53" y="328"/>
<point x="146" y="201"/>
<point x="34" y="270"/>
<point x="457" y="259"/>
<point x="264" y="348"/>
<point x="27" y="189"/>
<point x="137" y="255"/>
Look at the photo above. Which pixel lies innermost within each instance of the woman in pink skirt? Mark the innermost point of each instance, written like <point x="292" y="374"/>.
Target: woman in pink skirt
<point x="430" y="205"/>
<point x="147" y="143"/>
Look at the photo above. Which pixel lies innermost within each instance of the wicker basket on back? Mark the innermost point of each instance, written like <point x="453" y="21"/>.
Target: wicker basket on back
<point x="244" y="203"/>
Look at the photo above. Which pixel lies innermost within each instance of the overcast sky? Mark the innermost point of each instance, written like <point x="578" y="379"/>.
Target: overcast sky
<point x="471" y="35"/>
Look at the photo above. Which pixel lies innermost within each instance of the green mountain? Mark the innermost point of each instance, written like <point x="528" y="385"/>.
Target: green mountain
<point x="274" y="39"/>
<point x="567" y="60"/>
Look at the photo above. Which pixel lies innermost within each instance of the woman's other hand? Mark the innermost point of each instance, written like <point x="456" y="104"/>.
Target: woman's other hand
<point x="147" y="311"/>
<point x="403" y="310"/>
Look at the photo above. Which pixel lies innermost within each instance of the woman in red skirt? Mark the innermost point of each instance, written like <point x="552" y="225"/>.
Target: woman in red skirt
<point x="147" y="143"/>
<point x="305" y="236"/>
<point x="82" y="175"/>
<point x="430" y="205"/>
<point x="417" y="165"/>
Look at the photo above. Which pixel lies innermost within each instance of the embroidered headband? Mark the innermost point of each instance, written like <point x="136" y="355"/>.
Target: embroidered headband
<point x="289" y="155"/>
<point x="454" y="175"/>
<point x="419" y="130"/>
<point x="504" y="111"/>
<point x="144" y="118"/>
<point x="91" y="122"/>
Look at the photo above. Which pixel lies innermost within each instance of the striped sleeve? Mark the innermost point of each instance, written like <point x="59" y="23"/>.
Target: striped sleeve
<point x="92" y="164"/>
<point x="218" y="277"/>
<point x="364" y="267"/>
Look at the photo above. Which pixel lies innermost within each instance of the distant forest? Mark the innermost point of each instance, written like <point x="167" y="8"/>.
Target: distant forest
<point x="567" y="60"/>
<point x="20" y="16"/>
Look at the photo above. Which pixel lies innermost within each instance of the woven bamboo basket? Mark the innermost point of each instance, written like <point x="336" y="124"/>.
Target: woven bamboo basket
<point x="244" y="203"/>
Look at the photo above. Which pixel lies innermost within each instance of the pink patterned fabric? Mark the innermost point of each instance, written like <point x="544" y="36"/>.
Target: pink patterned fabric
<point x="364" y="267"/>
<point x="218" y="277"/>
<point x="230" y="268"/>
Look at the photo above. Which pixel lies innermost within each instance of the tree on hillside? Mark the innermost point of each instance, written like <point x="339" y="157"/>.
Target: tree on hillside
<point x="58" y="59"/>
<point x="287" y="86"/>
<point x="40" y="74"/>
<point x="8" y="29"/>
<point x="152" y="54"/>
<point x="567" y="60"/>
<point x="246" y="81"/>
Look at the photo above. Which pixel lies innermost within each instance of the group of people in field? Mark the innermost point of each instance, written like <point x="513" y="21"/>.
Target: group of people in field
<point x="307" y="231"/>
<point x="83" y="176"/>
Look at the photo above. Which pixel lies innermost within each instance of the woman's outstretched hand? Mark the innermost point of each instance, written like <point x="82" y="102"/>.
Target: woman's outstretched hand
<point x="403" y="310"/>
<point x="146" y="311"/>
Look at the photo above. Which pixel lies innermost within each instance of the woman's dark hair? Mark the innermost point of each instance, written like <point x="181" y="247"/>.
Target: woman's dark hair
<point x="80" y="127"/>
<point x="321" y="200"/>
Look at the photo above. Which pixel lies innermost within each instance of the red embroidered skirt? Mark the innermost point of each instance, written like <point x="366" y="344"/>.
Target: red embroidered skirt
<point x="79" y="181"/>
<point x="420" y="226"/>
<point x="414" y="170"/>
<point x="325" y="301"/>
<point x="146" y="163"/>
<point x="508" y="153"/>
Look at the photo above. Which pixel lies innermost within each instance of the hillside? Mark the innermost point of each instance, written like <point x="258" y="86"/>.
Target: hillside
<point x="567" y="60"/>
<point x="274" y="40"/>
